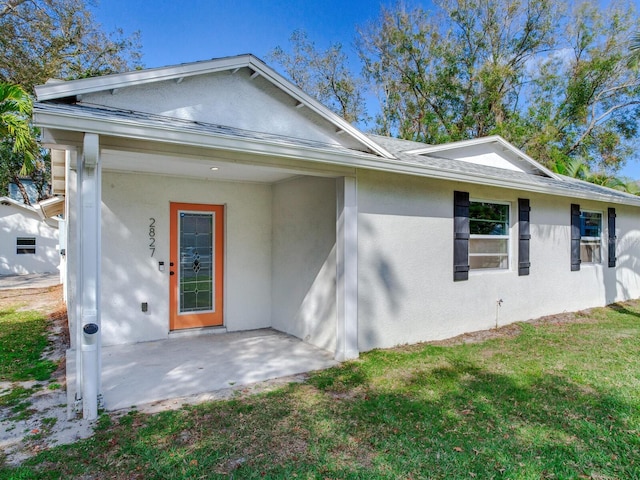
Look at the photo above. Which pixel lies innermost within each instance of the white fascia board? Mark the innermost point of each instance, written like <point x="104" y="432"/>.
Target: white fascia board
<point x="171" y="134"/>
<point x="311" y="103"/>
<point x="122" y="128"/>
<point x="70" y="88"/>
<point x="17" y="204"/>
<point x="485" y="140"/>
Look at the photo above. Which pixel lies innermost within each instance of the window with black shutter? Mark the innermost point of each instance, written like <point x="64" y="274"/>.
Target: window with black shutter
<point x="575" y="237"/>
<point x="524" y="236"/>
<point x="612" y="236"/>
<point x="461" y="236"/>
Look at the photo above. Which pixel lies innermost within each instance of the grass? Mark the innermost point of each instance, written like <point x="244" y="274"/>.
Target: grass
<point x="23" y="339"/>
<point x="555" y="401"/>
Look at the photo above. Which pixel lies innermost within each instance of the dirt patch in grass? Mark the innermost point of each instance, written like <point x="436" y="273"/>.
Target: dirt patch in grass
<point x="514" y="329"/>
<point x="48" y="299"/>
<point x="41" y="421"/>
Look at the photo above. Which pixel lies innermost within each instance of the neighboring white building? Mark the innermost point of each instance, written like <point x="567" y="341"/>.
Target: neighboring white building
<point x="28" y="243"/>
<point x="218" y="195"/>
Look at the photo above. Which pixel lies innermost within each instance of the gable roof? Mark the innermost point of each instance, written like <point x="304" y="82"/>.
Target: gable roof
<point x="36" y="210"/>
<point x="460" y="170"/>
<point x="517" y="156"/>
<point x="8" y="201"/>
<point x="59" y="90"/>
<point x="476" y="161"/>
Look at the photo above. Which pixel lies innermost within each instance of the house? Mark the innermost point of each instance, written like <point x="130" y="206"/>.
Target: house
<point x="29" y="243"/>
<point x="216" y="195"/>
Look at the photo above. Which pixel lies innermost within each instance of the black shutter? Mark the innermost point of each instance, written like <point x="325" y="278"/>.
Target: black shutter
<point x="612" y="237"/>
<point x="461" y="236"/>
<point x="575" y="237"/>
<point x="524" y="236"/>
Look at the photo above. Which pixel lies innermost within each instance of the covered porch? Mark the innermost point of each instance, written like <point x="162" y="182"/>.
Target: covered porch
<point x="187" y="366"/>
<point x="289" y="265"/>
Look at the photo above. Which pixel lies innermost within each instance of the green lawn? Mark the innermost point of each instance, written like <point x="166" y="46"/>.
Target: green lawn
<point x="23" y="340"/>
<point x="555" y="401"/>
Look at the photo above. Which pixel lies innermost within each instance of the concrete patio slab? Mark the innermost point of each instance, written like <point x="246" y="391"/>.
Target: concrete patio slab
<point x="134" y="375"/>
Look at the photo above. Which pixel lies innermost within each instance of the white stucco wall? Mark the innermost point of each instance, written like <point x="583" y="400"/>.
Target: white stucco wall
<point x="222" y="98"/>
<point x="131" y="276"/>
<point x="304" y="259"/>
<point x="406" y="291"/>
<point x="19" y="222"/>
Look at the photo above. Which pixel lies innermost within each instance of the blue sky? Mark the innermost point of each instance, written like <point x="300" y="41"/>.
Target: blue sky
<point x="185" y="31"/>
<point x="177" y="32"/>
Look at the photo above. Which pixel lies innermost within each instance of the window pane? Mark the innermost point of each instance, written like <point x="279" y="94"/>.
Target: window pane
<point x="590" y="224"/>
<point x="488" y="218"/>
<point x="485" y="220"/>
<point x="590" y="251"/>
<point x="488" y="261"/>
<point x="196" y="262"/>
<point x="489" y="245"/>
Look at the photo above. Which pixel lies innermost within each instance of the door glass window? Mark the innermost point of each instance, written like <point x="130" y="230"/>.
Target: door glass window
<point x="196" y="262"/>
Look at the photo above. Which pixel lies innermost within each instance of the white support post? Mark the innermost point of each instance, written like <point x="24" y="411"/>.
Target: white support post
<point x="88" y="295"/>
<point x="347" y="269"/>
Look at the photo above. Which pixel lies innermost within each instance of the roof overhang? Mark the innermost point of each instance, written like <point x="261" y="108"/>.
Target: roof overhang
<point x="48" y="117"/>
<point x="8" y="201"/>
<point x="260" y="148"/>
<point x="51" y="207"/>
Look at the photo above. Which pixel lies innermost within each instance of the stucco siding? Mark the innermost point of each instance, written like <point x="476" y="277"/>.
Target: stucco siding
<point x="406" y="291"/>
<point x="131" y="275"/>
<point x="304" y="259"/>
<point x="233" y="100"/>
<point x="18" y="222"/>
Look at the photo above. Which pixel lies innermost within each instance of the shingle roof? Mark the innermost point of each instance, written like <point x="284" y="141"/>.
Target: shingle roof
<point x="149" y="119"/>
<point x="565" y="186"/>
<point x="429" y="165"/>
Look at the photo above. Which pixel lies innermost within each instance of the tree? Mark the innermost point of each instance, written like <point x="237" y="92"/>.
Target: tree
<point x="43" y="39"/>
<point x="457" y="74"/>
<point x="577" y="168"/>
<point x="11" y="171"/>
<point x="323" y="75"/>
<point x="15" y="115"/>
<point x="555" y="82"/>
<point x="39" y="40"/>
<point x="18" y="147"/>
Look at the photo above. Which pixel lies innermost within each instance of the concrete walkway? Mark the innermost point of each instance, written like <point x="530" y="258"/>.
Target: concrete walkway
<point x="134" y="375"/>
<point x="35" y="280"/>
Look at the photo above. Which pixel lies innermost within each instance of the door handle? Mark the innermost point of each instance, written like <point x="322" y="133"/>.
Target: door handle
<point x="172" y="273"/>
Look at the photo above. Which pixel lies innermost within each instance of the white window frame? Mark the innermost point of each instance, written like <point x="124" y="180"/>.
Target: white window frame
<point x="584" y="240"/>
<point x="492" y="237"/>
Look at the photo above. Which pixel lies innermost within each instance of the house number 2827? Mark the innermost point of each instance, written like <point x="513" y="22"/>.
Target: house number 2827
<point x="152" y="235"/>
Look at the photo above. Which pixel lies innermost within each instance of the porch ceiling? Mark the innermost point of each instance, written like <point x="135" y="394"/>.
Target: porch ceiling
<point x="201" y="168"/>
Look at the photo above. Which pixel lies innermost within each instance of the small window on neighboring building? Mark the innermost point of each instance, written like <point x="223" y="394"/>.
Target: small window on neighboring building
<point x="25" y="245"/>
<point x="590" y="237"/>
<point x="489" y="235"/>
